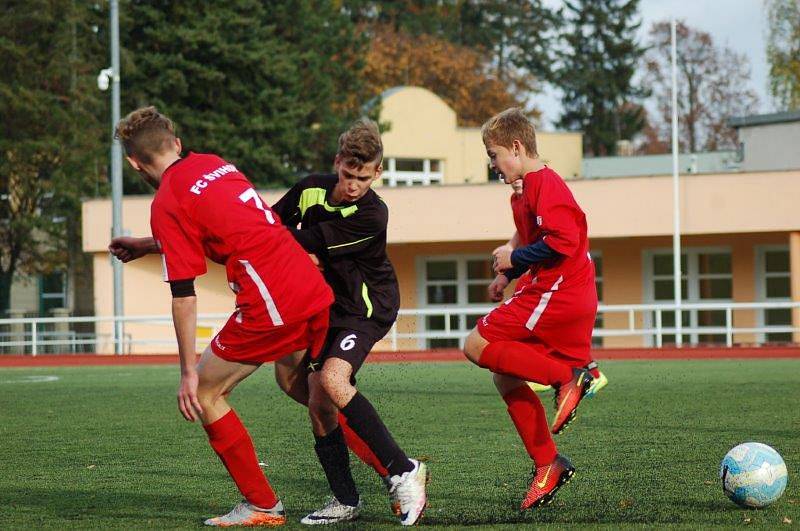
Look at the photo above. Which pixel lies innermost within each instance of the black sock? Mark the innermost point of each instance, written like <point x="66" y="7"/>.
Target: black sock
<point x="364" y="420"/>
<point x="335" y="460"/>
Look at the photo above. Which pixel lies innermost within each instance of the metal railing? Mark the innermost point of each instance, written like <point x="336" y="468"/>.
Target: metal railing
<point x="31" y="335"/>
<point x="645" y="320"/>
<point x="37" y="335"/>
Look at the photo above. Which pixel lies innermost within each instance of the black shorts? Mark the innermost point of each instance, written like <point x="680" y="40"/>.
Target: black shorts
<point x="347" y="344"/>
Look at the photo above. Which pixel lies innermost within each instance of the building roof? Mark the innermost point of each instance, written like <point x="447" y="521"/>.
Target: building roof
<point x="644" y="165"/>
<point x="764" y="119"/>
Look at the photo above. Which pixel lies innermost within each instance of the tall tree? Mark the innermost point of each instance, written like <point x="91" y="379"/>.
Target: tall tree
<point x="266" y="84"/>
<point x="518" y="35"/>
<point x="458" y="74"/>
<point x="595" y="73"/>
<point x="51" y="147"/>
<point x="713" y="85"/>
<point x="783" y="52"/>
<point x="515" y="38"/>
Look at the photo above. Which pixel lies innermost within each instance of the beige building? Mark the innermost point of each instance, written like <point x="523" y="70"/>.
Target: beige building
<point x="740" y="237"/>
<point x="424" y="144"/>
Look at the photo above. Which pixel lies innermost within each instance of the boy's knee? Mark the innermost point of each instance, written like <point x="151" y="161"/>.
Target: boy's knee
<point x="332" y="381"/>
<point x="282" y="379"/>
<point x="473" y="346"/>
<point x="209" y="395"/>
<point x="322" y="412"/>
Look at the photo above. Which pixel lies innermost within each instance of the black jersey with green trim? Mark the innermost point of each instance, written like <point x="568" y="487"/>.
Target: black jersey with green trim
<point x="350" y="241"/>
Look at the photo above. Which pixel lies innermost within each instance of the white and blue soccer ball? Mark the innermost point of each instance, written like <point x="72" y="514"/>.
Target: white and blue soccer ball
<point x="753" y="475"/>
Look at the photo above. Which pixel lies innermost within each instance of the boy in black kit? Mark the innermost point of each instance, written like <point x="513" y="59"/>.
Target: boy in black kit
<point x="342" y="222"/>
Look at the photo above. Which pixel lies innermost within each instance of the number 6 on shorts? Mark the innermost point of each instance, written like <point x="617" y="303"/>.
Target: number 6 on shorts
<point x="348" y="342"/>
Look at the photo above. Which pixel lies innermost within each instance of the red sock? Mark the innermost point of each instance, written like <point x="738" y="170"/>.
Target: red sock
<point x="360" y="448"/>
<point x="529" y="417"/>
<point x="229" y="438"/>
<point x="526" y="361"/>
<point x="595" y="372"/>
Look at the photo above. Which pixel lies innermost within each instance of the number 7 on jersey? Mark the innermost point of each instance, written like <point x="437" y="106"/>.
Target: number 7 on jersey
<point x="249" y="194"/>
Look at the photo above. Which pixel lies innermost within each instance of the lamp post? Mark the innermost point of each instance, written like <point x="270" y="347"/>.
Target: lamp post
<point x="676" y="207"/>
<point x="110" y="76"/>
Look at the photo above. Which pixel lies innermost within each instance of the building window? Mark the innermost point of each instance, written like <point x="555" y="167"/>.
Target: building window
<point x="597" y="258"/>
<point x="706" y="276"/>
<point x="458" y="281"/>
<point x="412" y="172"/>
<point x="774" y="284"/>
<point x="52" y="292"/>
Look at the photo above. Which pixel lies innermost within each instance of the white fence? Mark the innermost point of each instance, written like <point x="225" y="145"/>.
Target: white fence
<point x="59" y="334"/>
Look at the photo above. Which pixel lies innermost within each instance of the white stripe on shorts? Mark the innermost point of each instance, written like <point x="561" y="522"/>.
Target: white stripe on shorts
<point x="271" y="308"/>
<point x="164" y="267"/>
<point x="537" y="313"/>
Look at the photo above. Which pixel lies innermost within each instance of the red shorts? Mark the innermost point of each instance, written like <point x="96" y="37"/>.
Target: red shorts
<point x="234" y="343"/>
<point x="560" y="320"/>
<point x="523" y="281"/>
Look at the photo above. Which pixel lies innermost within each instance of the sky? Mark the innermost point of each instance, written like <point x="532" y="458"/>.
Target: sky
<point x="738" y="24"/>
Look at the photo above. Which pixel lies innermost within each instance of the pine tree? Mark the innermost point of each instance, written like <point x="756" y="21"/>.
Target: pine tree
<point x="266" y="85"/>
<point x="595" y="74"/>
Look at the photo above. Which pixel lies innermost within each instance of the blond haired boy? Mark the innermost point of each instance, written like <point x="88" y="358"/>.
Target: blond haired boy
<point x="543" y="333"/>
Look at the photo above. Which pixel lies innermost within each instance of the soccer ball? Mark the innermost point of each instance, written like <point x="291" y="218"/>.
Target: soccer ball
<point x="753" y="475"/>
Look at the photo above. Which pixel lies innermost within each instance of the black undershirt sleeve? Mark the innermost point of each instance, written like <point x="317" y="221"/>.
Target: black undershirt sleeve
<point x="530" y="254"/>
<point x="523" y="257"/>
<point x="514" y="272"/>
<point x="182" y="288"/>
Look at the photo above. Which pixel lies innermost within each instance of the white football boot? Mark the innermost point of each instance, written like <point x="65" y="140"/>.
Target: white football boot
<point x="393" y="503"/>
<point x="247" y="514"/>
<point x="333" y="513"/>
<point x="408" y="490"/>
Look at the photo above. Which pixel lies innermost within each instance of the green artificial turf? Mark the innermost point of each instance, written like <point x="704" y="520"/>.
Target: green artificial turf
<point x="105" y="447"/>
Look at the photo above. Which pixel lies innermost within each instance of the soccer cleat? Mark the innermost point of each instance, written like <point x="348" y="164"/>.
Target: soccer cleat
<point x="539" y="388"/>
<point x="248" y="515"/>
<point x="393" y="503"/>
<point x="597" y="384"/>
<point x="408" y="490"/>
<point x="567" y="398"/>
<point x="333" y="513"/>
<point x="546" y="482"/>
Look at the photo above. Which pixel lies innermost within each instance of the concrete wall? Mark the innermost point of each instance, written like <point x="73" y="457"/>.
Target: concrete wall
<point x="771" y="147"/>
<point x="626" y="216"/>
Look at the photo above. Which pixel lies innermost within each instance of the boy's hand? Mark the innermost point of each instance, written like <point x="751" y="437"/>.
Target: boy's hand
<point x="497" y="287"/>
<point x="188" y="404"/>
<point x="504" y="246"/>
<point x="502" y="259"/>
<point x="127" y="248"/>
<point x="316" y="261"/>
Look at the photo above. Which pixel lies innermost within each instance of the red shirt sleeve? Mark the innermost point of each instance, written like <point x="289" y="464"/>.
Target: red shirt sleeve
<point x="557" y="214"/>
<point x="182" y="254"/>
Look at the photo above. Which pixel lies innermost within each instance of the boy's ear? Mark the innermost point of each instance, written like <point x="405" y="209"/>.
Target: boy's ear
<point x="134" y="163"/>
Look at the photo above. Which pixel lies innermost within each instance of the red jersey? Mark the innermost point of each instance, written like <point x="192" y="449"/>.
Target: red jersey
<point x="205" y="207"/>
<point x="549" y="213"/>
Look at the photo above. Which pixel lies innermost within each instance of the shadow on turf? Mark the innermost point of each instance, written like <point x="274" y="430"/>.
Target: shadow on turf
<point x="74" y="503"/>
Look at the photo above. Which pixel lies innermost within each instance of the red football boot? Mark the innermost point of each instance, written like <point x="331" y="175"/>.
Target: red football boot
<point x="546" y="482"/>
<point x="567" y="398"/>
